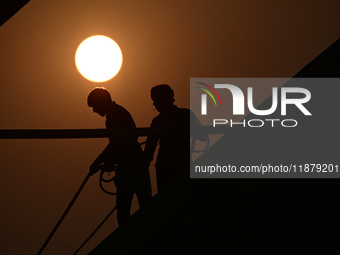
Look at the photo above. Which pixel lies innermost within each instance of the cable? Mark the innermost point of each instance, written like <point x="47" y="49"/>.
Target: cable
<point x="64" y="214"/>
<point x="82" y="245"/>
<point x="101" y="180"/>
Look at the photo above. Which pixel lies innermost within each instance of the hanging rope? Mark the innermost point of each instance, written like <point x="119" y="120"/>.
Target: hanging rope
<point x="64" y="214"/>
<point x="90" y="236"/>
<point x="101" y="180"/>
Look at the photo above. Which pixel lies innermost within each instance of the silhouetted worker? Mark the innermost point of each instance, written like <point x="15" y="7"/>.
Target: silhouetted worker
<point x="174" y="147"/>
<point x="123" y="152"/>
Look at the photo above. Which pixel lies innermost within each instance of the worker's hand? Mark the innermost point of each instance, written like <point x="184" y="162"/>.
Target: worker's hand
<point x="108" y="166"/>
<point x="95" y="167"/>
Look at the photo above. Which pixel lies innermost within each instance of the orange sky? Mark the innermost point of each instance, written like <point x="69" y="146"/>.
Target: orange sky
<point x="162" y="42"/>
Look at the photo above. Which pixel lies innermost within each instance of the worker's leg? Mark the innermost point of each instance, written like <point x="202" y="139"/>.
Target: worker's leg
<point x="123" y="203"/>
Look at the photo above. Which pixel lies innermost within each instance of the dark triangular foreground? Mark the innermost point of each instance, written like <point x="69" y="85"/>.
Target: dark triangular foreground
<point x="9" y="8"/>
<point x="228" y="216"/>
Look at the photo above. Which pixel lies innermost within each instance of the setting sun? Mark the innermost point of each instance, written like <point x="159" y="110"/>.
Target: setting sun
<point x="98" y="58"/>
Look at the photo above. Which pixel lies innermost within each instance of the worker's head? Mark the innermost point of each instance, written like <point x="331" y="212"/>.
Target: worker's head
<point x="100" y="100"/>
<point x="162" y="96"/>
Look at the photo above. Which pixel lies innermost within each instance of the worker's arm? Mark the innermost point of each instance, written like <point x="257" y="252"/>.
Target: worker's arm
<point x="196" y="129"/>
<point x="96" y="165"/>
<point x="152" y="141"/>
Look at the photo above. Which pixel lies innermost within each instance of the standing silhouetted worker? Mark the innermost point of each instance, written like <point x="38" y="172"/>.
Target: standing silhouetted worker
<point x="123" y="152"/>
<point x="171" y="128"/>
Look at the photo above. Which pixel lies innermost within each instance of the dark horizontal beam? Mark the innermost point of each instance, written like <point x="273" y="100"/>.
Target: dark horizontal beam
<point x="89" y="133"/>
<point x="65" y="133"/>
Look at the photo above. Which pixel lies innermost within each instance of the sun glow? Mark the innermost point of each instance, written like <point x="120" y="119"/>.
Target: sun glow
<point x="98" y="58"/>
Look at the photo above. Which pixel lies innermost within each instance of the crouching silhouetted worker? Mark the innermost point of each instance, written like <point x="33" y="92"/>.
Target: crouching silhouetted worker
<point x="123" y="152"/>
<point x="171" y="128"/>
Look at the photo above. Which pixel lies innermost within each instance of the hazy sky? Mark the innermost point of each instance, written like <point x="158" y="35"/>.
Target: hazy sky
<point x="162" y="42"/>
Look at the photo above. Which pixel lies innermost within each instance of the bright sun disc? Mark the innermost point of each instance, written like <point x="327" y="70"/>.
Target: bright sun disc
<point x="98" y="58"/>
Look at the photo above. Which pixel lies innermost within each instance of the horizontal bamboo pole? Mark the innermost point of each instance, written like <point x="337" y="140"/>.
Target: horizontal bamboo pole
<point x="90" y="133"/>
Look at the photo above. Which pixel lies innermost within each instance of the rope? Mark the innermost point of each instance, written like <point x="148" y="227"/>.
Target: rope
<point x="101" y="224"/>
<point x="64" y="214"/>
<point x="102" y="179"/>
